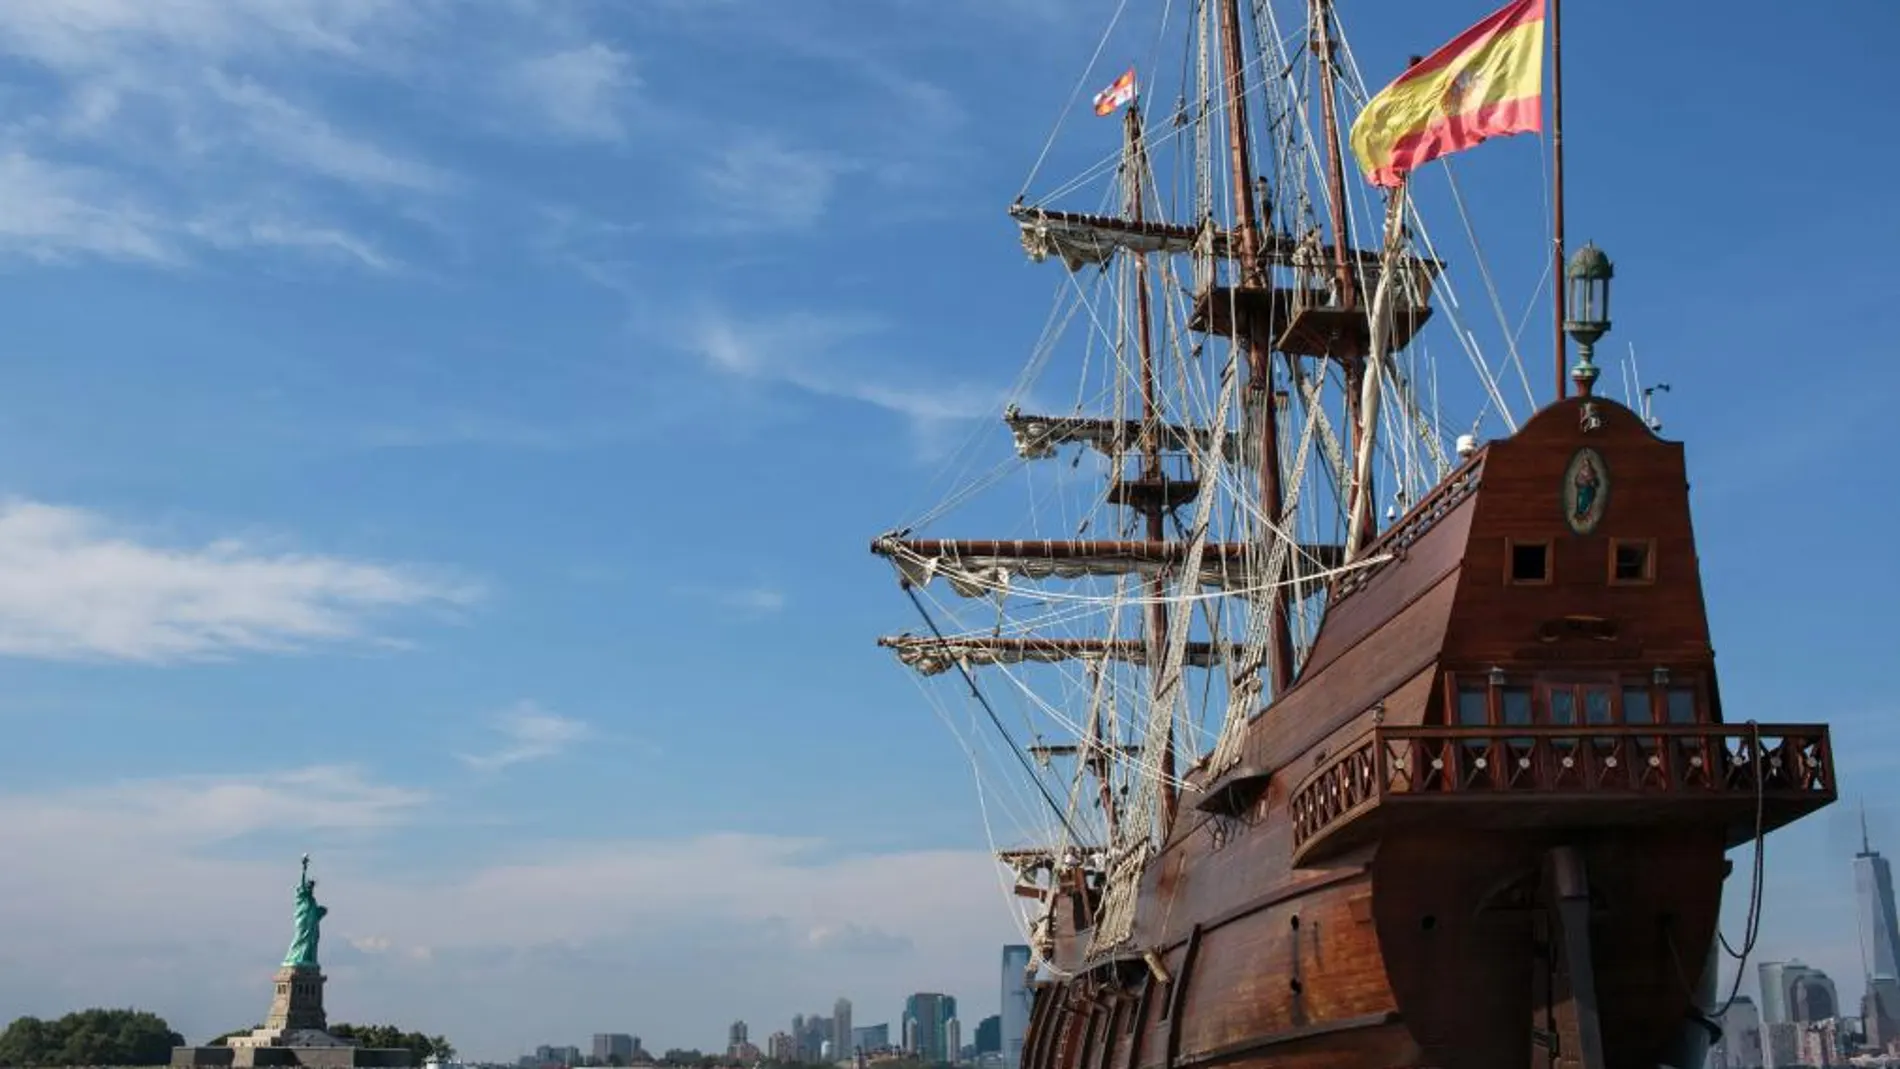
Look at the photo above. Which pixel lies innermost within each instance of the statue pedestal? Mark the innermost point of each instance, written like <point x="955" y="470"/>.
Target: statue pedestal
<point x="293" y="1035"/>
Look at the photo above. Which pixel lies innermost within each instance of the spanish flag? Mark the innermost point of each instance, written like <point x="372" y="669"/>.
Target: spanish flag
<point x="1486" y="83"/>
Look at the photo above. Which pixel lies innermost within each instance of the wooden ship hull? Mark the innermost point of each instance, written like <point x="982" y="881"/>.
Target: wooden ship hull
<point x="1486" y="826"/>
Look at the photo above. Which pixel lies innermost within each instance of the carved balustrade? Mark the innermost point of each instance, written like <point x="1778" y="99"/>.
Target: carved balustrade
<point x="1778" y="764"/>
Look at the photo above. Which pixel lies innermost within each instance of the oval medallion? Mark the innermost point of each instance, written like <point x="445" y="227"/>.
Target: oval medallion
<point x="1586" y="491"/>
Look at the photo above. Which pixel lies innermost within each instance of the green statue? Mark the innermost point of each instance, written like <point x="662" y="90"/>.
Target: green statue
<point x="303" y="948"/>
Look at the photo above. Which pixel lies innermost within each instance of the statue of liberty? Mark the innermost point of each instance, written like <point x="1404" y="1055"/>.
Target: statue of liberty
<point x="309" y="915"/>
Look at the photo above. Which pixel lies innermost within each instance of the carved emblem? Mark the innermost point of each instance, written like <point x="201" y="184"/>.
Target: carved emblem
<point x="1586" y="491"/>
<point x="1460" y="93"/>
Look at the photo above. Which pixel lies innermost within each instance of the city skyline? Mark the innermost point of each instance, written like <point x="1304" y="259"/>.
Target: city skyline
<point x="422" y="426"/>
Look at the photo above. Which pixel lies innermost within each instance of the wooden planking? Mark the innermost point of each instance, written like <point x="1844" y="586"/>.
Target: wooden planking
<point x="1465" y="984"/>
<point x="1647" y="499"/>
<point x="1361" y="676"/>
<point x="1395" y="586"/>
<point x="1295" y="965"/>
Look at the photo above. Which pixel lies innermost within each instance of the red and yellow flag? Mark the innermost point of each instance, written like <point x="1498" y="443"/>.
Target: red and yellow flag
<point x="1119" y="93"/>
<point x="1486" y="83"/>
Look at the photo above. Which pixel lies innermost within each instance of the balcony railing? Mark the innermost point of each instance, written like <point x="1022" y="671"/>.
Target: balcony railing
<point x="1579" y="772"/>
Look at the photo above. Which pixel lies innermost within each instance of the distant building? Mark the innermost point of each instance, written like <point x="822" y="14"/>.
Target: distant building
<point x="1740" y="1046"/>
<point x="1880" y="942"/>
<point x="841" y="1045"/>
<point x="613" y="1048"/>
<point x="811" y="1036"/>
<point x="927" y="1016"/>
<point x="1792" y="993"/>
<point x="871" y="1039"/>
<point x="738" y="1041"/>
<point x="989" y="1035"/>
<point x="1015" y="1004"/>
<point x="547" y="1055"/>
<point x="1781" y="1044"/>
<point x="953" y="1040"/>
<point x="781" y="1048"/>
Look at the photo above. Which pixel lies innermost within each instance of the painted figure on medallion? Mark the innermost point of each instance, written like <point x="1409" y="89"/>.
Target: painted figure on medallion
<point x="1585" y="491"/>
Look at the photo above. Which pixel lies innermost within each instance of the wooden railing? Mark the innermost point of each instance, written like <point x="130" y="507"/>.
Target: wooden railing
<point x="1777" y="762"/>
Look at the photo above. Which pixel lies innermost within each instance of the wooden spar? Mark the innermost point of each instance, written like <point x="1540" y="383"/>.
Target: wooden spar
<point x="1258" y="348"/>
<point x="1360" y="495"/>
<point x="1322" y="35"/>
<point x="1151" y="507"/>
<point x="1557" y="183"/>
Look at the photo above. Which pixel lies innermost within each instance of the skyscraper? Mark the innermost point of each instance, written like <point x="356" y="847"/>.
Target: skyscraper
<point x="1740" y="1046"/>
<point x="842" y="1048"/>
<point x="927" y="1018"/>
<point x="1015" y="1005"/>
<point x="1879" y="941"/>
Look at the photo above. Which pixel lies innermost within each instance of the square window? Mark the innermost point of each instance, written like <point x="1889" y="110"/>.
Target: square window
<point x="1530" y="562"/>
<point x="1632" y="561"/>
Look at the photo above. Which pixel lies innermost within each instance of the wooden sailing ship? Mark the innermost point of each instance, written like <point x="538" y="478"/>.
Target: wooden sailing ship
<point x="1468" y="787"/>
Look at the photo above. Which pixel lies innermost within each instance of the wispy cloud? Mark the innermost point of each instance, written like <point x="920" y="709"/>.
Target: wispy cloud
<point x="810" y="352"/>
<point x="746" y="602"/>
<point x="530" y="733"/>
<point x="201" y="810"/>
<point x="73" y="588"/>
<point x="302" y="139"/>
<point x="759" y="182"/>
<point x="51" y="213"/>
<point x="574" y="93"/>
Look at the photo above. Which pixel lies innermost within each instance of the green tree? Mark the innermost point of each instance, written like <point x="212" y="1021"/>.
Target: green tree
<point x="388" y="1035"/>
<point x="90" y="1037"/>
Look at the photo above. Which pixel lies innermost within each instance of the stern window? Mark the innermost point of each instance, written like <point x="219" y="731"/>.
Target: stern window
<point x="1682" y="705"/>
<point x="1474" y="707"/>
<point x="1636" y="708"/>
<point x="1632" y="561"/>
<point x="1530" y="562"/>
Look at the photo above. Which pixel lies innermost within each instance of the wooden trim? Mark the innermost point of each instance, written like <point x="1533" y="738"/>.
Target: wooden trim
<point x="1229" y="1052"/>
<point x="1648" y="577"/>
<point x="1140" y="1033"/>
<point x="1510" y="561"/>
<point x="1177" y="991"/>
<point x="1307" y="671"/>
<point x="1038" y="1028"/>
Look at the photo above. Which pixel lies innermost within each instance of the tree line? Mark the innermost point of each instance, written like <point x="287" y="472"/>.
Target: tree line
<point x="136" y="1037"/>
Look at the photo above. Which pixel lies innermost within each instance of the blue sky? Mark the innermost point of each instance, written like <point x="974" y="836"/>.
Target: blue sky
<point x="445" y="436"/>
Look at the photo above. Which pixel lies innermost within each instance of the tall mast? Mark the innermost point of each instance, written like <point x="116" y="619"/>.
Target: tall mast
<point x="1359" y="497"/>
<point x="1153" y="503"/>
<point x="1557" y="182"/>
<point x="1258" y="347"/>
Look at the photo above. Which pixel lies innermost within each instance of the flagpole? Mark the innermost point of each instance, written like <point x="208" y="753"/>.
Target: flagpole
<point x="1557" y="180"/>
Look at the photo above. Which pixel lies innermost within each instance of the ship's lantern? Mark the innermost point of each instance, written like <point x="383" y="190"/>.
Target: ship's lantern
<point x="1587" y="310"/>
<point x="1497" y="676"/>
<point x="1660" y="676"/>
<point x="1589" y="275"/>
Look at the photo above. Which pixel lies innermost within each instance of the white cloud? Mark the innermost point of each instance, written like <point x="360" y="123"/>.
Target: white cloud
<point x="122" y="895"/>
<point x="72" y="588"/>
<point x="576" y="92"/>
<point x="531" y="733"/>
<point x="805" y="351"/>
<point x="305" y="140"/>
<point x="51" y="213"/>
<point x="760" y="183"/>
